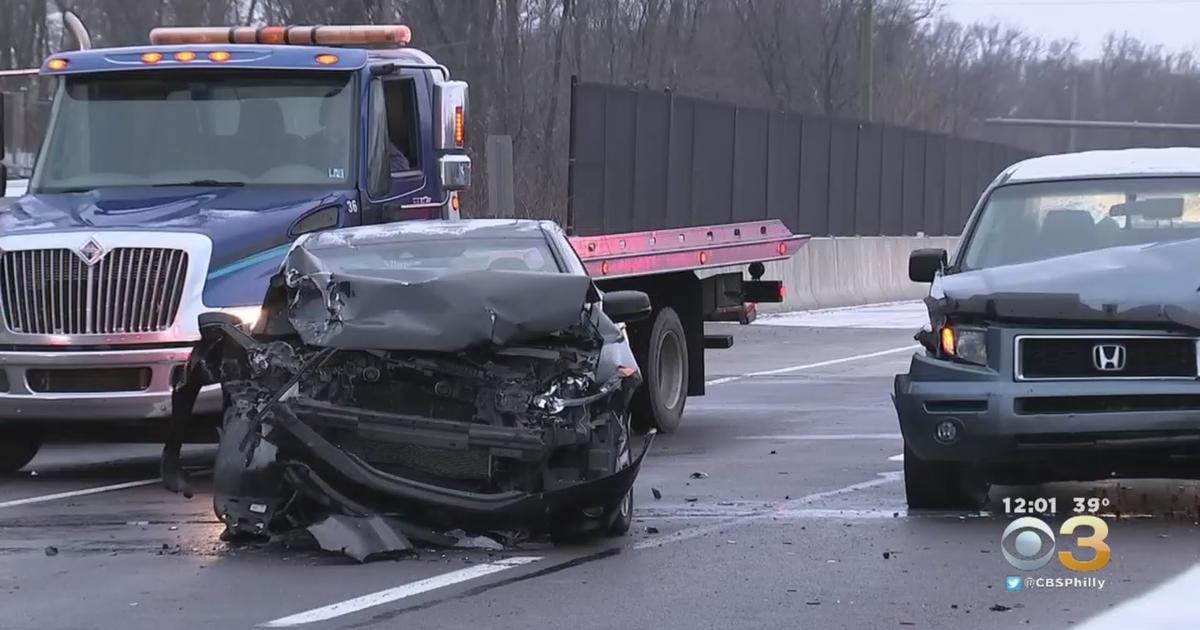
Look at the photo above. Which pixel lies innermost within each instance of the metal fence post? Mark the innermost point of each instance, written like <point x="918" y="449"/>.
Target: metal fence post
<point x="499" y="158"/>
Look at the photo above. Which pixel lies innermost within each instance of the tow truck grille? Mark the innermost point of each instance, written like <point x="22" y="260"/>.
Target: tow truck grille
<point x="129" y="290"/>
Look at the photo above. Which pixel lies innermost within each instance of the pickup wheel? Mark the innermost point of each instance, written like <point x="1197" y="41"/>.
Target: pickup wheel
<point x="613" y="519"/>
<point x="931" y="485"/>
<point x="19" y="443"/>
<point x="659" y="401"/>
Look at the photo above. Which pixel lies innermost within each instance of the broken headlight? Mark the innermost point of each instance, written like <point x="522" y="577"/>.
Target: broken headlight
<point x="555" y="399"/>
<point x="965" y="344"/>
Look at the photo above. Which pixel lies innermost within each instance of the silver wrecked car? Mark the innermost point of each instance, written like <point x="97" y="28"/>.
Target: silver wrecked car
<point x="419" y="378"/>
<point x="1063" y="336"/>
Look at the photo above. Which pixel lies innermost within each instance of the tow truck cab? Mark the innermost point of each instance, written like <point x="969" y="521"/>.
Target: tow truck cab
<point x="172" y="180"/>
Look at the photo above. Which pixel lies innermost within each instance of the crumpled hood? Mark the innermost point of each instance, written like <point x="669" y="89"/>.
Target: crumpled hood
<point x="239" y="221"/>
<point x="1152" y="284"/>
<point x="342" y="306"/>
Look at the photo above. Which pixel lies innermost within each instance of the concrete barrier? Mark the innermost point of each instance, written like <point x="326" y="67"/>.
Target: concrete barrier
<point x="848" y="271"/>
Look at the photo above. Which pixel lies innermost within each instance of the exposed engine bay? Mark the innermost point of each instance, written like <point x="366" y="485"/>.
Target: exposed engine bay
<point x="378" y="408"/>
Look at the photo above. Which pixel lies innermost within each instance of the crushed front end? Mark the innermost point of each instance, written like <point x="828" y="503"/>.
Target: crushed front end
<point x="378" y="408"/>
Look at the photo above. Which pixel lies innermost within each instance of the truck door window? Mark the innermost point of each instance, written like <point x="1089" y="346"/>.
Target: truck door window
<point x="378" y="174"/>
<point x="400" y="96"/>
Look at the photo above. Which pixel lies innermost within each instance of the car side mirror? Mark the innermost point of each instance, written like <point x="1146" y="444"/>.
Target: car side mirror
<point x="626" y="306"/>
<point x="924" y="264"/>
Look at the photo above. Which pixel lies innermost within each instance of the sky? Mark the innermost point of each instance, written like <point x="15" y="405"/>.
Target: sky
<point x="1175" y="24"/>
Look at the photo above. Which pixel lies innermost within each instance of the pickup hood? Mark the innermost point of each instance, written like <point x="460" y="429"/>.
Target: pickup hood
<point x="341" y="303"/>
<point x="241" y="222"/>
<point x="1154" y="284"/>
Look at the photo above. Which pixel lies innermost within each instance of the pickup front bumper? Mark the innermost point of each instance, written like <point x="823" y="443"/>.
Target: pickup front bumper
<point x="102" y="385"/>
<point x="1085" y="428"/>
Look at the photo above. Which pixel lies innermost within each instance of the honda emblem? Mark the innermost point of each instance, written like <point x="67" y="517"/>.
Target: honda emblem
<point x="1109" y="357"/>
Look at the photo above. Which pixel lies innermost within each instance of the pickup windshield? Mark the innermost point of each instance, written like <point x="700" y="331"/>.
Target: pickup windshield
<point x="198" y="128"/>
<point x="1030" y="222"/>
<point x="446" y="255"/>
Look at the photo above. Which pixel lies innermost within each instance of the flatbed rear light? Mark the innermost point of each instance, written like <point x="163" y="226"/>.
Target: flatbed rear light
<point x="347" y="35"/>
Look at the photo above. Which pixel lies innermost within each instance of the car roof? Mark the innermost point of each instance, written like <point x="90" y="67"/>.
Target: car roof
<point x="425" y="230"/>
<point x="1170" y="162"/>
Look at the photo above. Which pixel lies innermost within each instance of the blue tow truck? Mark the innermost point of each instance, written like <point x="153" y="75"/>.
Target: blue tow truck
<point x="174" y="178"/>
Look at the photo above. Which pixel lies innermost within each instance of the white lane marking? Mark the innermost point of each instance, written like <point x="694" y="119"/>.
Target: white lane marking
<point x="79" y="493"/>
<point x="386" y="596"/>
<point x="811" y="366"/>
<point x="1170" y="605"/>
<point x="896" y="458"/>
<point x="819" y="437"/>
<point x="910" y="314"/>
<point x="784" y="509"/>
<point x="799" y="514"/>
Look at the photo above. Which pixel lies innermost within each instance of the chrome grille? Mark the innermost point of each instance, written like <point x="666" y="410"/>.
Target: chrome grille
<point x="129" y="290"/>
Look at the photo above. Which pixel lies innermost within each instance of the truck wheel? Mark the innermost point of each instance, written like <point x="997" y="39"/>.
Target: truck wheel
<point x="19" y="443"/>
<point x="659" y="401"/>
<point x="941" y="485"/>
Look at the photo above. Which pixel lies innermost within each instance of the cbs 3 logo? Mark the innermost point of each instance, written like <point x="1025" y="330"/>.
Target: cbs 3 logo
<point x="1028" y="543"/>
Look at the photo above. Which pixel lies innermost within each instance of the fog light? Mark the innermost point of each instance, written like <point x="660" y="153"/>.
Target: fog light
<point x="946" y="432"/>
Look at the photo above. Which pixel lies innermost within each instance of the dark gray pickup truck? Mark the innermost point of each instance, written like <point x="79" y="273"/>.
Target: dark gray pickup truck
<point x="1063" y="332"/>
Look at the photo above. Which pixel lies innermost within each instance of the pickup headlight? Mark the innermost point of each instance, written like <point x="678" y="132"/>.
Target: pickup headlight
<point x="965" y="344"/>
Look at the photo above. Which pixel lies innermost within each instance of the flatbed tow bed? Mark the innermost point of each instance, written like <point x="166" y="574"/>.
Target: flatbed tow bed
<point x="669" y="266"/>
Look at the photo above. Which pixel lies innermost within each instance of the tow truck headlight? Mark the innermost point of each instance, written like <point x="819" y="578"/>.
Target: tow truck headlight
<point x="247" y="314"/>
<point x="965" y="344"/>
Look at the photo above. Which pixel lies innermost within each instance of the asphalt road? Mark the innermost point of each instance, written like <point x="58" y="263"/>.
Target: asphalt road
<point x="800" y="522"/>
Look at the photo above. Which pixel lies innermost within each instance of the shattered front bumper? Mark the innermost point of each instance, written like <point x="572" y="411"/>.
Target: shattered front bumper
<point x="329" y="475"/>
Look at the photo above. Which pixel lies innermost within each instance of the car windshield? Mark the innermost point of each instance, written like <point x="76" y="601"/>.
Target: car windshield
<point x="1030" y="222"/>
<point x="462" y="254"/>
<point x="198" y="128"/>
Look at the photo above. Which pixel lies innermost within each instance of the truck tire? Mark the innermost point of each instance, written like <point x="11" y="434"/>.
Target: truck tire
<point x="930" y="485"/>
<point x="19" y="443"/>
<point x="659" y="401"/>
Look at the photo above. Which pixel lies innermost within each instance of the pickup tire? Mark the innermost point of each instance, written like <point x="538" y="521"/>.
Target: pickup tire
<point x="614" y="519"/>
<point x="930" y="485"/>
<point x="662" y="354"/>
<point x="19" y="443"/>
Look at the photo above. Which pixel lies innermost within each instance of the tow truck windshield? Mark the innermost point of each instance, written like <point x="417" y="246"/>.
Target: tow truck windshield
<point x="1030" y="222"/>
<point x="200" y="128"/>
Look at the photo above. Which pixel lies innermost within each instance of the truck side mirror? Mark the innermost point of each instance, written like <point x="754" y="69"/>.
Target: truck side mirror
<point x="924" y="264"/>
<point x="626" y="306"/>
<point x="3" y="180"/>
<point x="450" y="105"/>
<point x="454" y="171"/>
